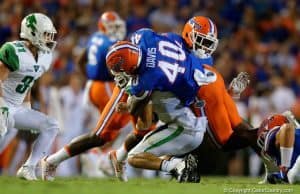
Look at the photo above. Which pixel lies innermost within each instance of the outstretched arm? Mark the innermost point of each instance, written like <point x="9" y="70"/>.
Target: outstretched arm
<point x="82" y="62"/>
<point x="239" y="84"/>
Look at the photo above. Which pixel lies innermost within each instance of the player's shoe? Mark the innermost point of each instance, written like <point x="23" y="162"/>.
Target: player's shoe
<point x="119" y="167"/>
<point x="193" y="170"/>
<point x="182" y="171"/>
<point x="27" y="173"/>
<point x="105" y="165"/>
<point x="277" y="178"/>
<point x="48" y="170"/>
<point x="291" y="176"/>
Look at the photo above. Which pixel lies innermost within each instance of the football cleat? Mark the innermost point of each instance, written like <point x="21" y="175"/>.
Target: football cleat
<point x="277" y="178"/>
<point x="48" y="170"/>
<point x="27" y="173"/>
<point x="186" y="171"/>
<point x="119" y="167"/>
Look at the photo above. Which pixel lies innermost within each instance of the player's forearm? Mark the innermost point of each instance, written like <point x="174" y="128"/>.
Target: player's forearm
<point x="145" y="119"/>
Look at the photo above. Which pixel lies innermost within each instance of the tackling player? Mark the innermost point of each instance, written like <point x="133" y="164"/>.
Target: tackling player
<point x="21" y="63"/>
<point x="278" y="137"/>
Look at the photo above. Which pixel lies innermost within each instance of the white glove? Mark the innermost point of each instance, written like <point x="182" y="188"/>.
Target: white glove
<point x="121" y="79"/>
<point x="3" y="117"/>
<point x="289" y="115"/>
<point x="239" y="84"/>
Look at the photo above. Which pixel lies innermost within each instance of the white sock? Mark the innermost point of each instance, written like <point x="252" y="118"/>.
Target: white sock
<point x="58" y="156"/>
<point x="286" y="156"/>
<point x="41" y="146"/>
<point x="121" y="153"/>
<point x="168" y="165"/>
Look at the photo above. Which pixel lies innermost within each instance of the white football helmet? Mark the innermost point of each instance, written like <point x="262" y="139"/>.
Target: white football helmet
<point x="39" y="30"/>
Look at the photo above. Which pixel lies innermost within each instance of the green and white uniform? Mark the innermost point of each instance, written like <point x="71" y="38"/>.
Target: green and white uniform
<point x="182" y="133"/>
<point x="24" y="70"/>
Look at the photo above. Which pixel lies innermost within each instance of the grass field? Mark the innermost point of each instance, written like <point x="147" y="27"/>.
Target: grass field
<point x="80" y="185"/>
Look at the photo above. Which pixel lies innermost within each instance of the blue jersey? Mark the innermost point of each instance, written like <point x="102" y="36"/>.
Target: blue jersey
<point x="166" y="65"/>
<point x="274" y="151"/>
<point x="97" y="48"/>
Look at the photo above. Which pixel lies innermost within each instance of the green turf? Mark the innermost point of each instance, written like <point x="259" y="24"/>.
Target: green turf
<point x="209" y="185"/>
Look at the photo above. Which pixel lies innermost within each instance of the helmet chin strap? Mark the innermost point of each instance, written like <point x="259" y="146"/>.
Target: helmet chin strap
<point x="200" y="53"/>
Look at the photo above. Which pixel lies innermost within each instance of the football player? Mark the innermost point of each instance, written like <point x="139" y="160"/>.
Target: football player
<point x="226" y="127"/>
<point x="21" y="63"/>
<point x="101" y="91"/>
<point x="278" y="138"/>
<point x="92" y="62"/>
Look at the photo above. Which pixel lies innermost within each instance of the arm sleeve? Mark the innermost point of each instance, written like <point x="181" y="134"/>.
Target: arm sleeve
<point x="9" y="57"/>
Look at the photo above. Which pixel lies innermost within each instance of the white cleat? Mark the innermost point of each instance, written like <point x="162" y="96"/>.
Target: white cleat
<point x="48" y="170"/>
<point x="27" y="173"/>
<point x="119" y="167"/>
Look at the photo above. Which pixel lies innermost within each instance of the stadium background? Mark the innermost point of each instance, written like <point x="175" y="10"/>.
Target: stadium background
<point x="257" y="36"/>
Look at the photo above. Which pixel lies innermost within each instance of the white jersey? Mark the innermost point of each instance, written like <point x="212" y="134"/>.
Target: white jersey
<point x="170" y="110"/>
<point x="24" y="70"/>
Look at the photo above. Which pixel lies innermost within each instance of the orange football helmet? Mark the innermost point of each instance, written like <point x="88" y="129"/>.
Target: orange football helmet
<point x="201" y="35"/>
<point x="111" y="24"/>
<point x="267" y="125"/>
<point x="123" y="56"/>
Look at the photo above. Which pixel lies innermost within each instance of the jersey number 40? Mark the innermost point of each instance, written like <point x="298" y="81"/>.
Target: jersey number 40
<point x="173" y="52"/>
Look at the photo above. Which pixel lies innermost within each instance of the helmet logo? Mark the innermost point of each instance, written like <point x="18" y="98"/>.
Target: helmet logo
<point x="195" y="24"/>
<point x="117" y="64"/>
<point x="30" y="23"/>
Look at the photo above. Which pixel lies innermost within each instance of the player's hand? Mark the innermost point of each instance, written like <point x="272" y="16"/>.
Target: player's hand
<point x="4" y="111"/>
<point x="239" y="84"/>
<point x="121" y="79"/>
<point x="122" y="107"/>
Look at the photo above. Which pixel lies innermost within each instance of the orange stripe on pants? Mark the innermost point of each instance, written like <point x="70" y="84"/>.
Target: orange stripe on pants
<point x="220" y="108"/>
<point x="110" y="122"/>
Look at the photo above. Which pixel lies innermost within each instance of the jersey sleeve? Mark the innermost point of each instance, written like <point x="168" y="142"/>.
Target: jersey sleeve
<point x="9" y="57"/>
<point x="143" y="33"/>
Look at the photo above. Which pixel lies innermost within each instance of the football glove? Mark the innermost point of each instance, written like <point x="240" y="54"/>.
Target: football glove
<point x="239" y="84"/>
<point x="121" y="79"/>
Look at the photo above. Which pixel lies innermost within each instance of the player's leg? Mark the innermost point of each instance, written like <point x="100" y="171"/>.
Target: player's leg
<point x="244" y="135"/>
<point x="285" y="139"/>
<point x="172" y="140"/>
<point x="9" y="136"/>
<point x="83" y="142"/>
<point x="29" y="119"/>
<point x="118" y="157"/>
<point x="294" y="173"/>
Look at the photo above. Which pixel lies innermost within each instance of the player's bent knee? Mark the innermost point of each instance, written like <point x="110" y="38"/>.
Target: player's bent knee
<point x="50" y="124"/>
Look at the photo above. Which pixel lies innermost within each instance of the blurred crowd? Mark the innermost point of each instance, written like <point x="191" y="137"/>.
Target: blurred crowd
<point x="257" y="36"/>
